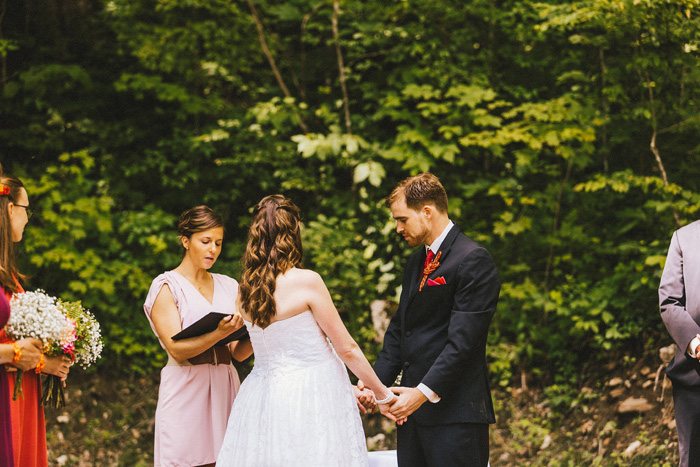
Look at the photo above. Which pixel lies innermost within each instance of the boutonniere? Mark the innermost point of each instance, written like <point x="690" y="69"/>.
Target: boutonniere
<point x="438" y="281"/>
<point x="429" y="269"/>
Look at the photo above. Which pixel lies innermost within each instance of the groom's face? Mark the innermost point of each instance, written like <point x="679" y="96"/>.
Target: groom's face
<point x="412" y="225"/>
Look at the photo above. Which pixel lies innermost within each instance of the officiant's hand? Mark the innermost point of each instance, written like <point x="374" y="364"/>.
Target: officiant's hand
<point x="230" y="323"/>
<point x="409" y="400"/>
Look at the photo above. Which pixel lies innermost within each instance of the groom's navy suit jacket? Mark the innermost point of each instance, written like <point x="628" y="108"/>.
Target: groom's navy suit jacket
<point x="438" y="335"/>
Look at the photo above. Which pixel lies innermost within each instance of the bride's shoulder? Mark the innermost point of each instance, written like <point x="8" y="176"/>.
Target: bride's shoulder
<point x="303" y="277"/>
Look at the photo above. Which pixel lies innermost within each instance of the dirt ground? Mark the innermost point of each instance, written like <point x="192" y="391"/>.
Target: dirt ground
<point x="109" y="420"/>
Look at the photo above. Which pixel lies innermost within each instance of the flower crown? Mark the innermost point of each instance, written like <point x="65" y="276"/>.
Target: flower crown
<point x="4" y="190"/>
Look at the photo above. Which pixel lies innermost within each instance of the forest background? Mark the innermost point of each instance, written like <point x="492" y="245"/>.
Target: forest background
<point x="566" y="134"/>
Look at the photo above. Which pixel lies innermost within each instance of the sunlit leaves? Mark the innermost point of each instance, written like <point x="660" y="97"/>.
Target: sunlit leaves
<point x="371" y="171"/>
<point x="331" y="145"/>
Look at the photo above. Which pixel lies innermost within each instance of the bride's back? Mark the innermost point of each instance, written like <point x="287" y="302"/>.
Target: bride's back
<point x="293" y="339"/>
<point x="292" y="294"/>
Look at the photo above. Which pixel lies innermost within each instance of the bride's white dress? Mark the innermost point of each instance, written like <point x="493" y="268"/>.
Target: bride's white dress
<point x="297" y="406"/>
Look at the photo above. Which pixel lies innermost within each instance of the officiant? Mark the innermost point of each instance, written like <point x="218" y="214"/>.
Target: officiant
<point x="199" y="382"/>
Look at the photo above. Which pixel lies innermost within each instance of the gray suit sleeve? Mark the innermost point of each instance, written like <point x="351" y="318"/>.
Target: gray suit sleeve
<point x="680" y="325"/>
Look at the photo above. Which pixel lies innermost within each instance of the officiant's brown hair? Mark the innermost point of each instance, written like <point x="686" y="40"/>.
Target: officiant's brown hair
<point x="419" y="190"/>
<point x="11" y="188"/>
<point x="274" y="247"/>
<point x="198" y="219"/>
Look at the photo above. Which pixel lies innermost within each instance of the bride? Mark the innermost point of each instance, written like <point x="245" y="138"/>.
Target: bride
<point x="297" y="406"/>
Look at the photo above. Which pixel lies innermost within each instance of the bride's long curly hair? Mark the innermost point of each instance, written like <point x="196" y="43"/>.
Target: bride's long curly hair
<point x="274" y="247"/>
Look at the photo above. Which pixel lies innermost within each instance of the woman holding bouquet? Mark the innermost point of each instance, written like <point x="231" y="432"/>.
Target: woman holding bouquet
<point x="24" y="356"/>
<point x="26" y="415"/>
<point x="199" y="383"/>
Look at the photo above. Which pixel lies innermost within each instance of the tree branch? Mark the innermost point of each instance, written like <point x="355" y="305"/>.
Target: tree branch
<point x="341" y="67"/>
<point x="304" y="22"/>
<point x="555" y="223"/>
<point x="604" y="104"/>
<point x="271" y="60"/>
<point x="652" y="145"/>
<point x="677" y="125"/>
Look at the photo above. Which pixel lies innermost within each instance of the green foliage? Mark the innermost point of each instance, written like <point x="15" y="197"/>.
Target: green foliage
<point x="536" y="115"/>
<point x="83" y="249"/>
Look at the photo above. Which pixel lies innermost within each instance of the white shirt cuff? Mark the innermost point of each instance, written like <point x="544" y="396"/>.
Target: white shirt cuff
<point x="692" y="346"/>
<point x="432" y="397"/>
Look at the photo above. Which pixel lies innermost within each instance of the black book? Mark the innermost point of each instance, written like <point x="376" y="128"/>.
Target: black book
<point x="207" y="324"/>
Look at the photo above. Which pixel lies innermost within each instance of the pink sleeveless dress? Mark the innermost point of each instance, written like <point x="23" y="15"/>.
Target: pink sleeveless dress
<point x="194" y="402"/>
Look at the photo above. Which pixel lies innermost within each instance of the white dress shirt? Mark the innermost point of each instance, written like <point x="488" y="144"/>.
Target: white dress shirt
<point x="434" y="247"/>
<point x="693" y="347"/>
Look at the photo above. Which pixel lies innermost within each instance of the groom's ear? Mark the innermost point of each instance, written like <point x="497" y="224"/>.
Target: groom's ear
<point x="427" y="212"/>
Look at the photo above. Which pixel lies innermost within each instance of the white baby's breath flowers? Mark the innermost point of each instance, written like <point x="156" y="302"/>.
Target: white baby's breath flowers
<point x="90" y="347"/>
<point x="37" y="315"/>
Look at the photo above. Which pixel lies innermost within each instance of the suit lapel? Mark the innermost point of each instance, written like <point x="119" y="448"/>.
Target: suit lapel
<point x="414" y="273"/>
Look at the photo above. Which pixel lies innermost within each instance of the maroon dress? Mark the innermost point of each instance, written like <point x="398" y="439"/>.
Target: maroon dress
<point x="6" y="457"/>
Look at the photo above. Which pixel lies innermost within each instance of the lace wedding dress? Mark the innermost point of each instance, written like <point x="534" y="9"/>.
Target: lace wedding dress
<point x="297" y="406"/>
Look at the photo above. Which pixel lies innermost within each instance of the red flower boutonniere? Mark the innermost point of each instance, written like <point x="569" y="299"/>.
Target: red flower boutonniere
<point x="429" y="269"/>
<point x="438" y="281"/>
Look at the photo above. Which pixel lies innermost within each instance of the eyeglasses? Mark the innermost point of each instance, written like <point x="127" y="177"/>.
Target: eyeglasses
<point x="29" y="210"/>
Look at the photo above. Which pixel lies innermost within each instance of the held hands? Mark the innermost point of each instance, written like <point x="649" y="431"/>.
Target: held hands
<point x="371" y="405"/>
<point x="385" y="410"/>
<point x="409" y="400"/>
<point x="30" y="353"/>
<point x="365" y="400"/>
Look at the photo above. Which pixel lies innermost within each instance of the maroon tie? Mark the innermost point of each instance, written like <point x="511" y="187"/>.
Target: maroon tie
<point x="428" y="259"/>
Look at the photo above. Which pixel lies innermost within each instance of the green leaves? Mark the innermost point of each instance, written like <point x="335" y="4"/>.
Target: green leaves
<point x="536" y="116"/>
<point x="470" y="96"/>
<point x="371" y="171"/>
<point x="325" y="146"/>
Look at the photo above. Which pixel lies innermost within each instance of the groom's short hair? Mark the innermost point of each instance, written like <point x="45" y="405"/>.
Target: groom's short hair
<point x="420" y="190"/>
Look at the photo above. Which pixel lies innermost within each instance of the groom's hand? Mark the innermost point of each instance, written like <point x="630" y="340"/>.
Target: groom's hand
<point x="365" y="399"/>
<point x="410" y="399"/>
<point x="385" y="409"/>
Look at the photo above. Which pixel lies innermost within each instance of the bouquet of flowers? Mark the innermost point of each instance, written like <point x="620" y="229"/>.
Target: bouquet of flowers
<point x="83" y="346"/>
<point x="37" y="315"/>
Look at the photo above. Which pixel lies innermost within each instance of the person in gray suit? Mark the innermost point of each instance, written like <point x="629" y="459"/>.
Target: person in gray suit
<point x="679" y="300"/>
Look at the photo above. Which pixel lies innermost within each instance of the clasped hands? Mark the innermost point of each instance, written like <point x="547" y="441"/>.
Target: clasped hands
<point x="405" y="402"/>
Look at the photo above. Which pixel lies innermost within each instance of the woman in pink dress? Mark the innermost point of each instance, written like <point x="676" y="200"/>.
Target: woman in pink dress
<point x="199" y="382"/>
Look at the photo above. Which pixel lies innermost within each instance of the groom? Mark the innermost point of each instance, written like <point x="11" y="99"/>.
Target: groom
<point x="438" y="335"/>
